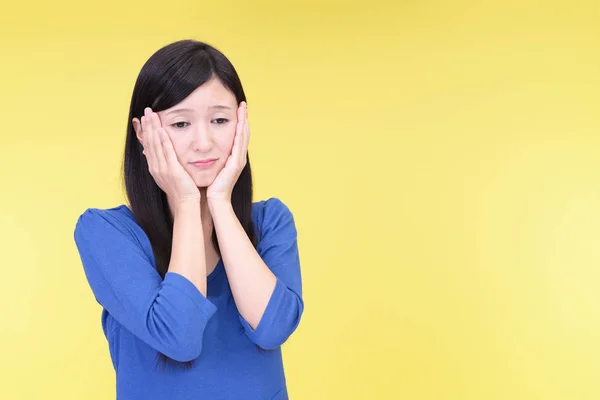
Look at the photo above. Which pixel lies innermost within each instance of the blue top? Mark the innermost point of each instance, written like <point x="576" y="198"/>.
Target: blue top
<point x="143" y="314"/>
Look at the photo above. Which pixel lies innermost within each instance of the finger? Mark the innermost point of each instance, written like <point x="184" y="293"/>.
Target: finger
<point x="158" y="155"/>
<point x="246" y="137"/>
<point x="157" y="127"/>
<point x="157" y="120"/>
<point x="242" y="132"/>
<point x="151" y="138"/>
<point x="148" y="139"/>
<point x="238" y="130"/>
<point x="242" y="138"/>
<point x="169" y="154"/>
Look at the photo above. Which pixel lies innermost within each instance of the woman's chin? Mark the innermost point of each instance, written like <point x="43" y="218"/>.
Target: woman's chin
<point x="204" y="183"/>
<point x="203" y="178"/>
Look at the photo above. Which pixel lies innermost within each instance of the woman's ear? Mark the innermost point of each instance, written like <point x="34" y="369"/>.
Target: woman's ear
<point x="137" y="126"/>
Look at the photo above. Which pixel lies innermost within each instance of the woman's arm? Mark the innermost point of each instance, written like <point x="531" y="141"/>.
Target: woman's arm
<point x="251" y="281"/>
<point x="187" y="257"/>
<point x="169" y="315"/>
<point x="267" y="290"/>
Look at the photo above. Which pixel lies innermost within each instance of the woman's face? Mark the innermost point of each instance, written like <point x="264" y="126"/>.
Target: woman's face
<point x="202" y="127"/>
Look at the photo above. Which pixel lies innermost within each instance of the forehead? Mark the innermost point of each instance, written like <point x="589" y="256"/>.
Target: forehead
<point x="209" y="94"/>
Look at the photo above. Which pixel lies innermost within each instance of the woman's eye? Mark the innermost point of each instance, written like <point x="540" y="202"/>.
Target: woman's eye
<point x="179" y="125"/>
<point x="220" y="121"/>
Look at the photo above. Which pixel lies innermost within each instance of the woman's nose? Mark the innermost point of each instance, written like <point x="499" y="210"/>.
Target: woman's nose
<point x="202" y="140"/>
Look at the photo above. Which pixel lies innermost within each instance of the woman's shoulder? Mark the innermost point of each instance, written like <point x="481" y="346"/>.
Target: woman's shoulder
<point x="97" y="219"/>
<point x="270" y="208"/>
<point x="272" y="215"/>
<point x="120" y="213"/>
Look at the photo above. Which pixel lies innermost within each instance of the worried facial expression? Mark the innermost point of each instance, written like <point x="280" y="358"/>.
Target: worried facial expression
<point x="202" y="128"/>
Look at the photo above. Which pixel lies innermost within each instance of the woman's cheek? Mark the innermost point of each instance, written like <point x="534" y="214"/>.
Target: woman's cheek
<point x="225" y="143"/>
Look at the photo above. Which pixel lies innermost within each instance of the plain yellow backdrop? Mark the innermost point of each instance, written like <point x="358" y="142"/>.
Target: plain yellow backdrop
<point x="441" y="159"/>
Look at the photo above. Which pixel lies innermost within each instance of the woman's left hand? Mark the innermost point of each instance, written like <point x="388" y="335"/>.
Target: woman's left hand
<point x="222" y="186"/>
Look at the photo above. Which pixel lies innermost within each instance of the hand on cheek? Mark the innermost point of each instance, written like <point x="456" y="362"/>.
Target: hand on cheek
<point x="163" y="163"/>
<point x="222" y="186"/>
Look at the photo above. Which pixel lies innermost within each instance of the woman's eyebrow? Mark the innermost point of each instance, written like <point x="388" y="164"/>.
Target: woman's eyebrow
<point x="218" y="106"/>
<point x="179" y="110"/>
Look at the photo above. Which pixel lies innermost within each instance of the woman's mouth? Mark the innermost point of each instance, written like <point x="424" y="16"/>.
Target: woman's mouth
<point x="204" y="163"/>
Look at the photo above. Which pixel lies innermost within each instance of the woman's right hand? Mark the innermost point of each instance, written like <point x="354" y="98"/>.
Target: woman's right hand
<point x="165" y="168"/>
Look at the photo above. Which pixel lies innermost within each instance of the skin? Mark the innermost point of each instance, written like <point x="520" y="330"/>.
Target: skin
<point x="209" y="124"/>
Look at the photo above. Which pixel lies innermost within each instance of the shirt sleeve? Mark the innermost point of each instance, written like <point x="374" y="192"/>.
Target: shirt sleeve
<point x="278" y="248"/>
<point x="169" y="315"/>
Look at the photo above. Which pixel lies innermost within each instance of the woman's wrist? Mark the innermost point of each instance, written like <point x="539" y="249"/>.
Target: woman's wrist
<point x="186" y="207"/>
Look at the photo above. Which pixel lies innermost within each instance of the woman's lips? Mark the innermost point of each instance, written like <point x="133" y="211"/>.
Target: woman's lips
<point x="204" y="163"/>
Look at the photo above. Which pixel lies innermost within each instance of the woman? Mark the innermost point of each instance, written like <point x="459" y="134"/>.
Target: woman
<point x="199" y="286"/>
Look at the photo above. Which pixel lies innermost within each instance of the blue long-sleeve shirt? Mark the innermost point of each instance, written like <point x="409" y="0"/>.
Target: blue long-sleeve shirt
<point x="144" y="314"/>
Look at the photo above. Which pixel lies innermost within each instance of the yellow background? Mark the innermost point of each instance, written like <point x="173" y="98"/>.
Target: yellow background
<point x="441" y="159"/>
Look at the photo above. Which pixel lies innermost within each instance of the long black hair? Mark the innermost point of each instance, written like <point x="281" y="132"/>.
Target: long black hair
<point x="170" y="75"/>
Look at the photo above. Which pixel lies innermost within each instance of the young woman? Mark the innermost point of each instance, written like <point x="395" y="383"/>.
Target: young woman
<point x="199" y="286"/>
